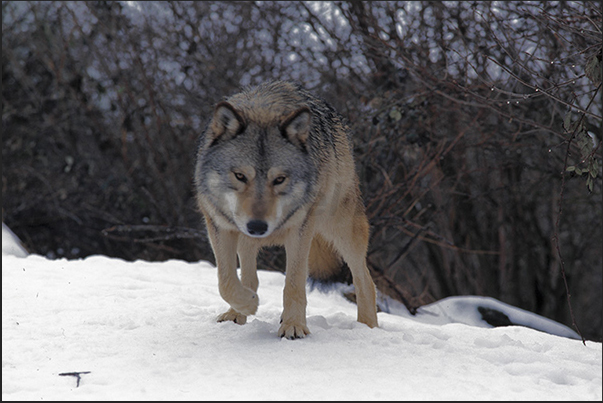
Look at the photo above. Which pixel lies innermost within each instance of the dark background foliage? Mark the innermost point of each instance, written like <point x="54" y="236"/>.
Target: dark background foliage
<point x="477" y="130"/>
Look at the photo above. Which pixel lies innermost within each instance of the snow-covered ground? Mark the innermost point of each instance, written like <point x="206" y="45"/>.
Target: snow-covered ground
<point x="146" y="330"/>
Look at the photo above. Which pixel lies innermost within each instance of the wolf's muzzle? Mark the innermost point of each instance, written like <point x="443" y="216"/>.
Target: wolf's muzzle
<point x="257" y="227"/>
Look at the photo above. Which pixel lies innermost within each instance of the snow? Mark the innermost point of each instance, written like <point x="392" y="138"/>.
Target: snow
<point x="11" y="244"/>
<point x="147" y="330"/>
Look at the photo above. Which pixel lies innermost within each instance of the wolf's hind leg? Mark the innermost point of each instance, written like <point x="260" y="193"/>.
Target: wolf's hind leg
<point x="352" y="244"/>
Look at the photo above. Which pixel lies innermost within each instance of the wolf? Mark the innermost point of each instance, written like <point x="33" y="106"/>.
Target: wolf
<point x="275" y="167"/>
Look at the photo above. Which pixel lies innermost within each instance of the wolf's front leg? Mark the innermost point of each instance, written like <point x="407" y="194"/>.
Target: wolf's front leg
<point x="247" y="252"/>
<point x="243" y="300"/>
<point x="293" y="320"/>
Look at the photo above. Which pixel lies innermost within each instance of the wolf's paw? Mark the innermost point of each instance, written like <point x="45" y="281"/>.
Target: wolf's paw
<point x="233" y="316"/>
<point x="293" y="330"/>
<point x="245" y="303"/>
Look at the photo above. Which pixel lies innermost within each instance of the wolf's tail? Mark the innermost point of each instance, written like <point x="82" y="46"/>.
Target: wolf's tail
<point x="324" y="262"/>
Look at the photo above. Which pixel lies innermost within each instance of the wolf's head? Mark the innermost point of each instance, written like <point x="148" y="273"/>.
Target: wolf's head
<point x="254" y="167"/>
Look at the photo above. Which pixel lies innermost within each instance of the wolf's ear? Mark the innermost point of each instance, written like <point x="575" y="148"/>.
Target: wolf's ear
<point x="226" y="122"/>
<point x="296" y="127"/>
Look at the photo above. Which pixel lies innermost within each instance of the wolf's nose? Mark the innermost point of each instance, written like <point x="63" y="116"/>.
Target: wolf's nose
<point x="257" y="227"/>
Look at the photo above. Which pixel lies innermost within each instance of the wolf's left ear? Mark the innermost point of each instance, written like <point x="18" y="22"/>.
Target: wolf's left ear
<point x="296" y="127"/>
<point x="226" y="122"/>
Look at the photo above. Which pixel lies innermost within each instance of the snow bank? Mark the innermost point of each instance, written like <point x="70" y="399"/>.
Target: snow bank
<point x="482" y="312"/>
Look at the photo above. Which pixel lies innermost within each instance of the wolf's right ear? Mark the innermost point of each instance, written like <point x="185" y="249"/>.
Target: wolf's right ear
<point x="226" y="123"/>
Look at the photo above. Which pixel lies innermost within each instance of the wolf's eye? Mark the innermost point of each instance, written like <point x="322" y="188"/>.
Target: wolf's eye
<point x="279" y="180"/>
<point x="240" y="177"/>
